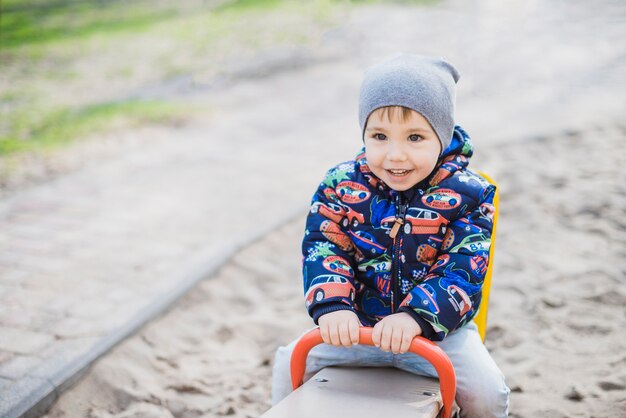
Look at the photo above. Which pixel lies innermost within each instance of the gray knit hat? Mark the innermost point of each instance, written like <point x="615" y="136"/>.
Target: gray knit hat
<point x="424" y="84"/>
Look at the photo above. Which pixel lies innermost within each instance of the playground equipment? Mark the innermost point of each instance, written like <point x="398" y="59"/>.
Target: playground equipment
<point x="347" y="392"/>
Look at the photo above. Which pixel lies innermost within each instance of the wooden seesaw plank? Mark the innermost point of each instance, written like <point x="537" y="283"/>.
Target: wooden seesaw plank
<point x="358" y="392"/>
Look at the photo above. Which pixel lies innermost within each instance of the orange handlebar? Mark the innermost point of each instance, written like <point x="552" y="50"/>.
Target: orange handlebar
<point x="420" y="346"/>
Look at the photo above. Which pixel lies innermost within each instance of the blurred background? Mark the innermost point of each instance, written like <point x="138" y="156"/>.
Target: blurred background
<point x="143" y="144"/>
<point x="76" y="69"/>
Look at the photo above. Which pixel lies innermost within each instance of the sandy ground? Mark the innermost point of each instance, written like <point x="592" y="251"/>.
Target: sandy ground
<point x="557" y="307"/>
<point x="555" y="322"/>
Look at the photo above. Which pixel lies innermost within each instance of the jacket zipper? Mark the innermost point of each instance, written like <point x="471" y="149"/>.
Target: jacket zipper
<point x="395" y="234"/>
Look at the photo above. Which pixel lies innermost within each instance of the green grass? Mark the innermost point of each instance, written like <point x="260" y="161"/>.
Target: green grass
<point x="30" y="22"/>
<point x="245" y="5"/>
<point x="44" y="31"/>
<point x="41" y="41"/>
<point x="35" y="21"/>
<point x="30" y="132"/>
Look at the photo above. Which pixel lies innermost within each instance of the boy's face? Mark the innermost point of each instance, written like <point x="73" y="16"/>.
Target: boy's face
<point x="401" y="153"/>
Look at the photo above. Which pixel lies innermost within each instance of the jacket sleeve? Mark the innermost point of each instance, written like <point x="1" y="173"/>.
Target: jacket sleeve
<point x="328" y="256"/>
<point x="450" y="294"/>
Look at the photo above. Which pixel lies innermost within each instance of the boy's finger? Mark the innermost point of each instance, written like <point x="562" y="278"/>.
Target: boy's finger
<point x="385" y="338"/>
<point x="354" y="332"/>
<point x="324" y="333"/>
<point x="334" y="334"/>
<point x="344" y="335"/>
<point x="376" y="334"/>
<point x="396" y="340"/>
<point x="406" y="342"/>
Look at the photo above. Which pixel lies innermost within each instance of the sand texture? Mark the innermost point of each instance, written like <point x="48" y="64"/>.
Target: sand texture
<point x="555" y="322"/>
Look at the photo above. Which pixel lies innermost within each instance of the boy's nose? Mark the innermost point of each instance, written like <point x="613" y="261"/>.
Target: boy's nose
<point x="396" y="153"/>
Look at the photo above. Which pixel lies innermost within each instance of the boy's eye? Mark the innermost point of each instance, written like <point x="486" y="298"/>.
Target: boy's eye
<point x="415" y="138"/>
<point x="380" y="137"/>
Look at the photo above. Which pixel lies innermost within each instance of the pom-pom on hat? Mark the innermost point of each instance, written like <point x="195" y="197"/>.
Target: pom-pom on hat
<point x="424" y="84"/>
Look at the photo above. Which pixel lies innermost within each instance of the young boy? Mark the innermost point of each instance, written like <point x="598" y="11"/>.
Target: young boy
<point x="398" y="239"/>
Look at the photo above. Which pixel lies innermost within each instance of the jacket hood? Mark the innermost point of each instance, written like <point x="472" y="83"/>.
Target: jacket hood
<point x="454" y="158"/>
<point x="461" y="144"/>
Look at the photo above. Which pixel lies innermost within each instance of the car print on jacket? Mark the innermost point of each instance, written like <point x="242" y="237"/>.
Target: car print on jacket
<point x="487" y="211"/>
<point x="469" y="178"/>
<point x="441" y="174"/>
<point x="381" y="264"/>
<point x="419" y="221"/>
<point x="383" y="283"/>
<point x="352" y="192"/>
<point x="442" y="260"/>
<point x="339" y="214"/>
<point x="459" y="299"/>
<point x="424" y="221"/>
<point x="441" y="231"/>
<point x="365" y="240"/>
<point x="479" y="264"/>
<point x="329" y="210"/>
<point x="329" y="286"/>
<point x="334" y="234"/>
<point x="375" y="306"/>
<point x="448" y="240"/>
<point x="338" y="265"/>
<point x="427" y="253"/>
<point x="353" y="218"/>
<point x="473" y="243"/>
<point x="428" y="314"/>
<point x="330" y="193"/>
<point x="429" y="301"/>
<point x="444" y="199"/>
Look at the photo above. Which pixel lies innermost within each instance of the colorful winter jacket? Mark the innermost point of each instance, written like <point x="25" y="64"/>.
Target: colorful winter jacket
<point x="431" y="264"/>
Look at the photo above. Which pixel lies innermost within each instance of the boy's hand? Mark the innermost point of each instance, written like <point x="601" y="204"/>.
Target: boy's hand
<point x="340" y="328"/>
<point x="395" y="332"/>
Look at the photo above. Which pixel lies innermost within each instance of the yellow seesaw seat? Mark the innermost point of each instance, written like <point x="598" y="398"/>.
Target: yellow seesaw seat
<point x="481" y="317"/>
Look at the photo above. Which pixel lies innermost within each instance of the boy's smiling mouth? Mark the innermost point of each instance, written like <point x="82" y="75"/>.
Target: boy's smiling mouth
<point x="398" y="173"/>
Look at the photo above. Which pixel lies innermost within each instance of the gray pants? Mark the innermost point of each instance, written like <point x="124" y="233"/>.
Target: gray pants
<point x="481" y="391"/>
